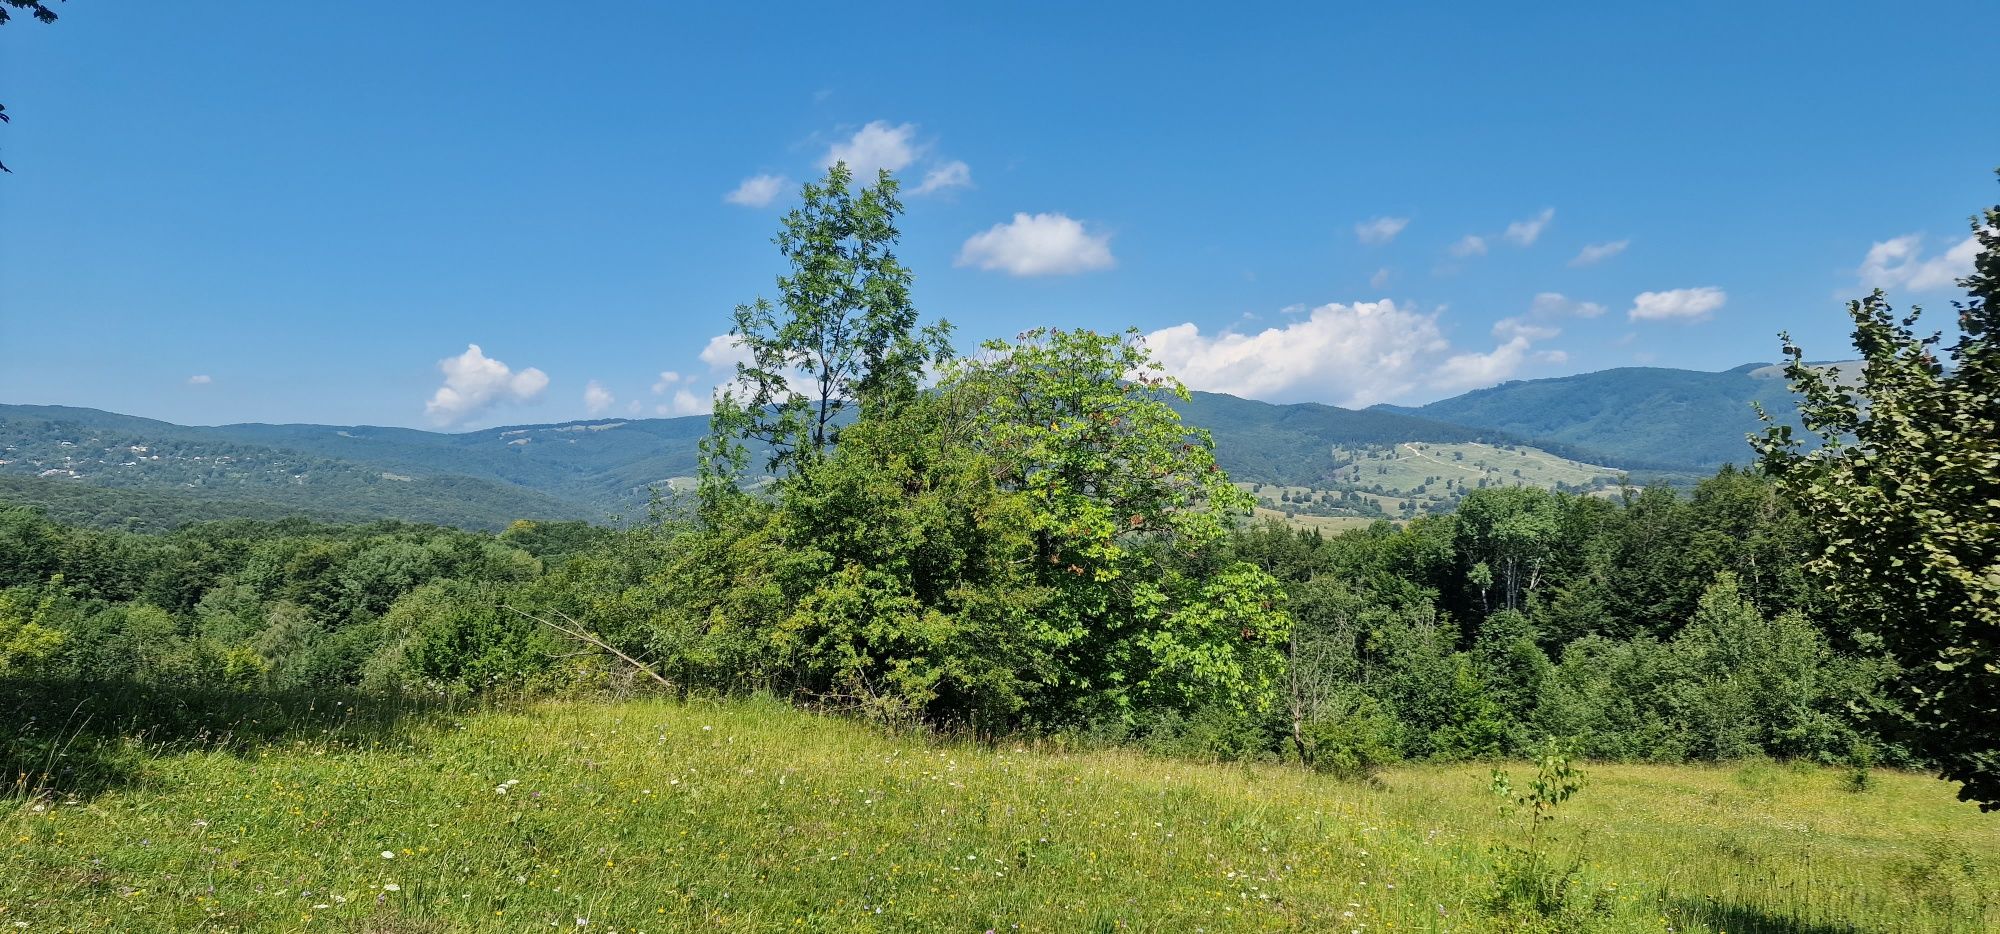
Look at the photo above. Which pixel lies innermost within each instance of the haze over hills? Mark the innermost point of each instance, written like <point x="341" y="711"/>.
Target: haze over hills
<point x="1577" y="432"/>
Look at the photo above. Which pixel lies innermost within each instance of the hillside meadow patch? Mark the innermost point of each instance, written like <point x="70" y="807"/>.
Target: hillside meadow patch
<point x="652" y="815"/>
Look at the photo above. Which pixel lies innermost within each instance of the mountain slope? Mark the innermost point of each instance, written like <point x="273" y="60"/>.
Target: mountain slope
<point x="1633" y="417"/>
<point x="1294" y="444"/>
<point x="211" y="472"/>
<point x="605" y="466"/>
<point x="601" y="469"/>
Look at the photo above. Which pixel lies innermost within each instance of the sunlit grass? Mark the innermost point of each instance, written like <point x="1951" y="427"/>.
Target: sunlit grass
<point x="655" y="816"/>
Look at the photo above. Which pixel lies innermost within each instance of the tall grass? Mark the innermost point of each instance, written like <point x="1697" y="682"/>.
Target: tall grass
<point x="659" y="816"/>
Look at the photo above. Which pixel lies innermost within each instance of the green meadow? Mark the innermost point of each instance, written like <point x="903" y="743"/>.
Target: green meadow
<point x="653" y="815"/>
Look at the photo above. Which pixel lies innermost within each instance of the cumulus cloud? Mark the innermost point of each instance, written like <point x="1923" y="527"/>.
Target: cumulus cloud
<point x="724" y="352"/>
<point x="882" y="145"/>
<point x="685" y="402"/>
<point x="874" y="147"/>
<point x="953" y="174"/>
<point x="474" y="383"/>
<point x="1346" y="354"/>
<point x="1595" y="253"/>
<point x="1380" y="229"/>
<point x="1470" y="245"/>
<point x="1509" y="329"/>
<point x="1900" y="263"/>
<point x="1688" y="305"/>
<point x="598" y="400"/>
<point x="1464" y="371"/>
<point x="1557" y="305"/>
<point x="1525" y="233"/>
<point x="1037" y="245"/>
<point x="666" y="381"/>
<point x="758" y="191"/>
<point x="200" y="379"/>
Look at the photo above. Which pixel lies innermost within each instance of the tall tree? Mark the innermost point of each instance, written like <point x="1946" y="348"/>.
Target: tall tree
<point x="1119" y="494"/>
<point x="1905" y="486"/>
<point x="843" y="334"/>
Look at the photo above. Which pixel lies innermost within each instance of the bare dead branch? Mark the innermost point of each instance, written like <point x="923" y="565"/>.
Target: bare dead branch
<point x="576" y="631"/>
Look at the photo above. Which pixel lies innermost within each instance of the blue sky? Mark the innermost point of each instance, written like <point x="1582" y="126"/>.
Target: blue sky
<point x="243" y="211"/>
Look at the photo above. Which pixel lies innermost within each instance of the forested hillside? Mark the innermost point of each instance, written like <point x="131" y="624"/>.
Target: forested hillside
<point x="1638" y="418"/>
<point x="222" y="475"/>
<point x="599" y="470"/>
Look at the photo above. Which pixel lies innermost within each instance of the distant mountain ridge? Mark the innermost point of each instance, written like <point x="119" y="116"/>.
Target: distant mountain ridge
<point x="1638" y="418"/>
<point x="1669" y="422"/>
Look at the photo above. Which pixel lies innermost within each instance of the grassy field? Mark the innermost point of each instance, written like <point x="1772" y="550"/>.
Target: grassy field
<point x="1414" y="476"/>
<point x="1405" y="467"/>
<point x="657" y="816"/>
<point x="1327" y="524"/>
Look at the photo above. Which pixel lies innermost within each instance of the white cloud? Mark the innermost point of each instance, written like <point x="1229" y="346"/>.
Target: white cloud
<point x="474" y="382"/>
<point x="667" y="379"/>
<point x="953" y="174"/>
<point x="882" y="145"/>
<point x="1346" y="354"/>
<point x="1471" y="245"/>
<point x="758" y="191"/>
<point x="1380" y="279"/>
<point x="1688" y="305"/>
<point x="1464" y="371"/>
<point x="1599" y="252"/>
<point x="1037" y="245"/>
<point x="200" y="379"/>
<point x="874" y="147"/>
<point x="1557" y="305"/>
<point x="685" y="402"/>
<point x="1380" y="229"/>
<point x="598" y="400"/>
<point x="1525" y="233"/>
<point x="1511" y="328"/>
<point x="724" y="352"/>
<point x="1900" y="262"/>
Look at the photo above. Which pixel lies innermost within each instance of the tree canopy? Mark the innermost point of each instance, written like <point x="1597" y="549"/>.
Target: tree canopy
<point x="1905" y="487"/>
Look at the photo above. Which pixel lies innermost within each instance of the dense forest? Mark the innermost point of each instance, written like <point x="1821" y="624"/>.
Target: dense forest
<point x="1661" y="626"/>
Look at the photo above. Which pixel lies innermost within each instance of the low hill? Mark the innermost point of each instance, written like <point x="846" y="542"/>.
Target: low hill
<point x="1633" y="417"/>
<point x="210" y="471"/>
<point x="146" y="510"/>
<point x="1574" y="432"/>
<point x="125" y="471"/>
<point x="256" y="814"/>
<point x="1294" y="444"/>
<point x="1409" y="478"/>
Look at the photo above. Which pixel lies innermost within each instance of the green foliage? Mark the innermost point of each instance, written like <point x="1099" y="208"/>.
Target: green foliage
<point x="1113" y="485"/>
<point x="1905" y="490"/>
<point x="1012" y="549"/>
<point x="26" y="639"/>
<point x="1352" y="736"/>
<point x="843" y="334"/>
<point x="1527" y="878"/>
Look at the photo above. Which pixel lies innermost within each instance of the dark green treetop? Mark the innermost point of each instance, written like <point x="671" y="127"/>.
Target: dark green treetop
<point x="1905" y="490"/>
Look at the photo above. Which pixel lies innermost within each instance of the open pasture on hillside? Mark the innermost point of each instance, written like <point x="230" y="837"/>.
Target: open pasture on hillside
<point x="1411" y="478"/>
<point x="750" y="816"/>
<point x="1402" y="469"/>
